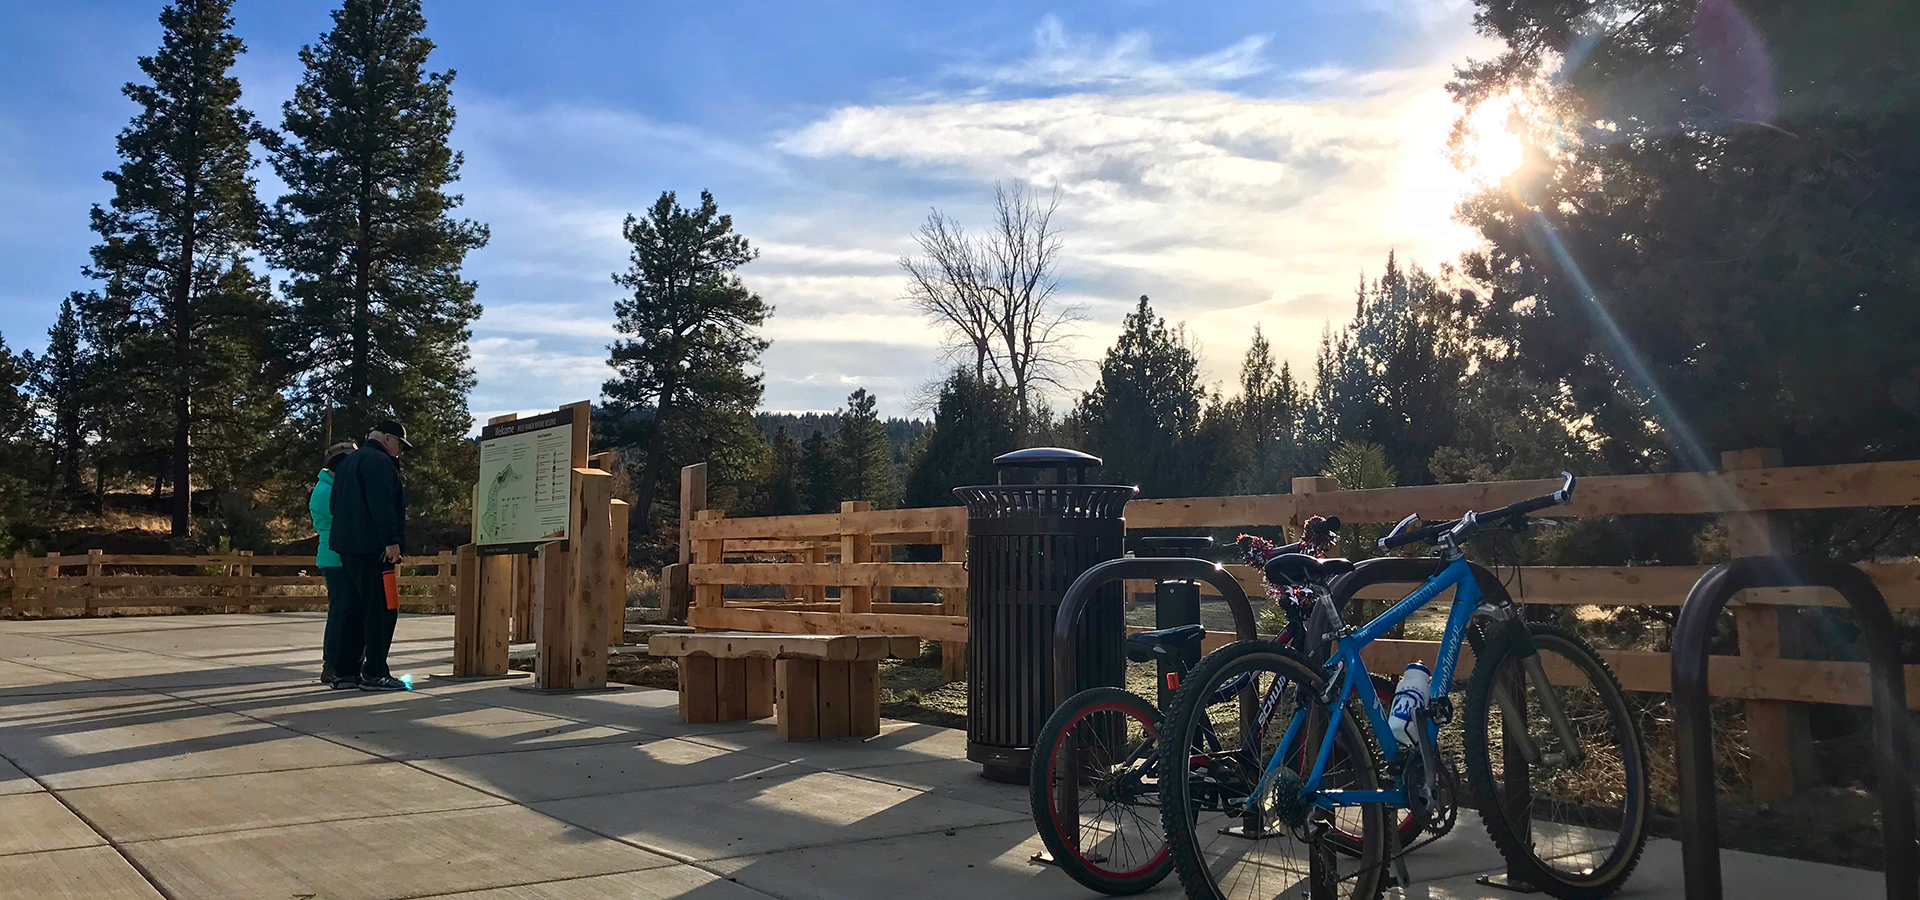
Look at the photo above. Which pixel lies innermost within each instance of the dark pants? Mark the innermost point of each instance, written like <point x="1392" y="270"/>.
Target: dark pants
<point x="336" y="614"/>
<point x="358" y="648"/>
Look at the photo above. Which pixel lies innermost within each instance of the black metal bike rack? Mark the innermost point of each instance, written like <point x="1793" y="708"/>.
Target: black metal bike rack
<point x="1087" y="587"/>
<point x="1140" y="567"/>
<point x="1693" y="745"/>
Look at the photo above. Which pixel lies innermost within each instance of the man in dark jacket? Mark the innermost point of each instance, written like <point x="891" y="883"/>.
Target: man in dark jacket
<point x="369" y="527"/>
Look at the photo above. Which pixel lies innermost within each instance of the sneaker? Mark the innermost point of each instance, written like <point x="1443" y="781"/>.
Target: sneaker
<point x="326" y="673"/>
<point x="344" y="683"/>
<point x="386" y="683"/>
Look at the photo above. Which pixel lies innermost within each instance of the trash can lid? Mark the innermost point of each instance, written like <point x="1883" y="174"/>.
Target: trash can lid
<point x="1047" y="458"/>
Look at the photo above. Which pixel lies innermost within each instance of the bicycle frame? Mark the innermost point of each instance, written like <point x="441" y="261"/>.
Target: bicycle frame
<point x="1346" y="668"/>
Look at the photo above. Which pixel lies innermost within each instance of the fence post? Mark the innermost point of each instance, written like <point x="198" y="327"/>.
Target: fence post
<point x="1777" y="731"/>
<point x="17" y="595"/>
<point x="953" y="602"/>
<point x="622" y="514"/>
<point x="50" y="588"/>
<point x="676" y="588"/>
<point x="245" y="569"/>
<point x="854" y="550"/>
<point x="445" y="580"/>
<point x="707" y="595"/>
<point x="94" y="571"/>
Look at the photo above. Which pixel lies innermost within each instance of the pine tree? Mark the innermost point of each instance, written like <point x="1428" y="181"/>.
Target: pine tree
<point x="866" y="454"/>
<point x="1393" y="375"/>
<point x="783" y="476"/>
<point x="972" y="423"/>
<point x="60" y="385"/>
<point x="1145" y="410"/>
<point x="1267" y="421"/>
<point x="184" y="316"/>
<point x="375" y="256"/>
<point x="820" y="477"/>
<point x="690" y="329"/>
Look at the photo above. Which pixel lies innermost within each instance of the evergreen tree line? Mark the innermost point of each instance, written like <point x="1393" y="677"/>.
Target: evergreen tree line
<point x="187" y="374"/>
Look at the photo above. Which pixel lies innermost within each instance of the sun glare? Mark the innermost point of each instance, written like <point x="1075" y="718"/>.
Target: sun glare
<point x="1491" y="149"/>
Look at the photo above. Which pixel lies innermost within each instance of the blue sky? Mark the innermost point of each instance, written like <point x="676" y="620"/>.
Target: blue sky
<point x="1241" y="163"/>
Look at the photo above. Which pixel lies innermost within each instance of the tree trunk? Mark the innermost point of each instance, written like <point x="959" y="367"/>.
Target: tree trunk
<point x="358" y="415"/>
<point x="183" y="375"/>
<point x="650" y="469"/>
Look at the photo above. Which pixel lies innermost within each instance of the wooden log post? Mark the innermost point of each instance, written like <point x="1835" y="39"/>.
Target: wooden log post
<point x="707" y="595"/>
<point x="1778" y="735"/>
<point x="552" y="668"/>
<point x="94" y="571"/>
<point x="491" y="614"/>
<point x="466" y="615"/>
<point x="592" y="538"/>
<point x="677" y="593"/>
<point x="855" y="549"/>
<point x="816" y="555"/>
<point x="953" y="602"/>
<point x="522" y="602"/>
<point x="244" y="569"/>
<point x="50" y="585"/>
<point x="622" y="514"/>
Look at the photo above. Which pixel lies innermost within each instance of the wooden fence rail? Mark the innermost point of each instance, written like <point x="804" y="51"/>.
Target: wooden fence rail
<point x="49" y="584"/>
<point x="807" y="553"/>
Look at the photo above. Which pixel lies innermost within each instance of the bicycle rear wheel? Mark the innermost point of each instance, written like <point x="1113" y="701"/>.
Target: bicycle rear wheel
<point x="1094" y="788"/>
<point x="1571" y="824"/>
<point x="1224" y="847"/>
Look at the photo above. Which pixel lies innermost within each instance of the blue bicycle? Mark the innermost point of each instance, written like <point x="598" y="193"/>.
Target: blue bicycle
<point x="1550" y="747"/>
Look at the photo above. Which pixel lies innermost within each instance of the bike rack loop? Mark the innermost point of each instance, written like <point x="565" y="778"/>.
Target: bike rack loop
<point x="1693" y="744"/>
<point x="1142" y="567"/>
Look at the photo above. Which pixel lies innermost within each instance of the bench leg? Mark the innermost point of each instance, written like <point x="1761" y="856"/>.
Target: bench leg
<point x="698" y="691"/>
<point x="863" y="698"/>
<point x="759" y="687"/>
<point x="836" y="715"/>
<point x="797" y="696"/>
<point x="730" y="688"/>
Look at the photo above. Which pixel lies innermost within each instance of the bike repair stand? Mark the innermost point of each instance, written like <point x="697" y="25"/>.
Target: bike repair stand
<point x="1517" y="785"/>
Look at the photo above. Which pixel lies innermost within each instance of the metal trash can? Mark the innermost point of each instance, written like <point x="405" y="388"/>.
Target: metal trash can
<point x="1026" y="543"/>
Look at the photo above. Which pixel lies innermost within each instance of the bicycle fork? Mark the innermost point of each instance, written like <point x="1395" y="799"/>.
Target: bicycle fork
<point x="1511" y="710"/>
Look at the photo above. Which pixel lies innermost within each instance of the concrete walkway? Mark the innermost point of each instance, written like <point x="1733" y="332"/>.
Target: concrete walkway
<point x="196" y="757"/>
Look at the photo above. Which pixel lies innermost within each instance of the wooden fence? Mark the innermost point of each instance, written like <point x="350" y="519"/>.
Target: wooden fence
<point x="97" y="581"/>
<point x="807" y="553"/>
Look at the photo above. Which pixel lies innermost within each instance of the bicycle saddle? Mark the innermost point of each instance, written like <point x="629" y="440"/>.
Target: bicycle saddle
<point x="1148" y="646"/>
<point x="1299" y="569"/>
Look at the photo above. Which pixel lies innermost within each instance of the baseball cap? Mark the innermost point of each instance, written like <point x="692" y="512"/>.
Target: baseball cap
<point x="396" y="429"/>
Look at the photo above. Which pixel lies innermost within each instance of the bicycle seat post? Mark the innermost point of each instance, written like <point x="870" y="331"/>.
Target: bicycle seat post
<point x="1175" y="603"/>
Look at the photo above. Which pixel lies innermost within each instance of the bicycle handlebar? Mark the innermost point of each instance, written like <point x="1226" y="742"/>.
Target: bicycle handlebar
<point x="1472" y="522"/>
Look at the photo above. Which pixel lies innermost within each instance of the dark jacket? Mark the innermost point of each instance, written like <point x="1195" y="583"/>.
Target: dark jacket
<point x="369" y="502"/>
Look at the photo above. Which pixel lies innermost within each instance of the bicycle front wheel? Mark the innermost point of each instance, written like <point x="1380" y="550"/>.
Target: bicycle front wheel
<point x="1095" y="792"/>
<point x="1571" y="820"/>
<point x="1236" y="832"/>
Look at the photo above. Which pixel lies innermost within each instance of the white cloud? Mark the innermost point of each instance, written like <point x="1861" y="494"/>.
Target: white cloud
<point x="1064" y="60"/>
<point x="1227" y="210"/>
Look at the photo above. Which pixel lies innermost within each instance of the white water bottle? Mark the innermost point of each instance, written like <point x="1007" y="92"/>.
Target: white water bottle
<point x="1409" y="698"/>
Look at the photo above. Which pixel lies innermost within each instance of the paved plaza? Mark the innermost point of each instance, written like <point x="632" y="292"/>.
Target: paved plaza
<point x="197" y="757"/>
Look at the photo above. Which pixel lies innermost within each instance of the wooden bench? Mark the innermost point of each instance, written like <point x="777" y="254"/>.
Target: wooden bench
<point x="816" y="685"/>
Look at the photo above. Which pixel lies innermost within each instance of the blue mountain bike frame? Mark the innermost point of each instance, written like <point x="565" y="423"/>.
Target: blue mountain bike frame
<point x="1346" y="668"/>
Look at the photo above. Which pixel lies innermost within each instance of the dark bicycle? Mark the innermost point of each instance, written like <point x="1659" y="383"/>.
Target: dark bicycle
<point x="1103" y="828"/>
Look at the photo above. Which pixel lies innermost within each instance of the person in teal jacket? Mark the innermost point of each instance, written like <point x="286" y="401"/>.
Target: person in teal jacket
<point x="320" y="508"/>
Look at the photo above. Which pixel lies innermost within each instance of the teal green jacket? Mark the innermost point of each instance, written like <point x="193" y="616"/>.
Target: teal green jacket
<point x="320" y="507"/>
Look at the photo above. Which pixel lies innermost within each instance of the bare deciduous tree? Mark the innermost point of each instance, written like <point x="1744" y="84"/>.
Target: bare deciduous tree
<point x="994" y="293"/>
